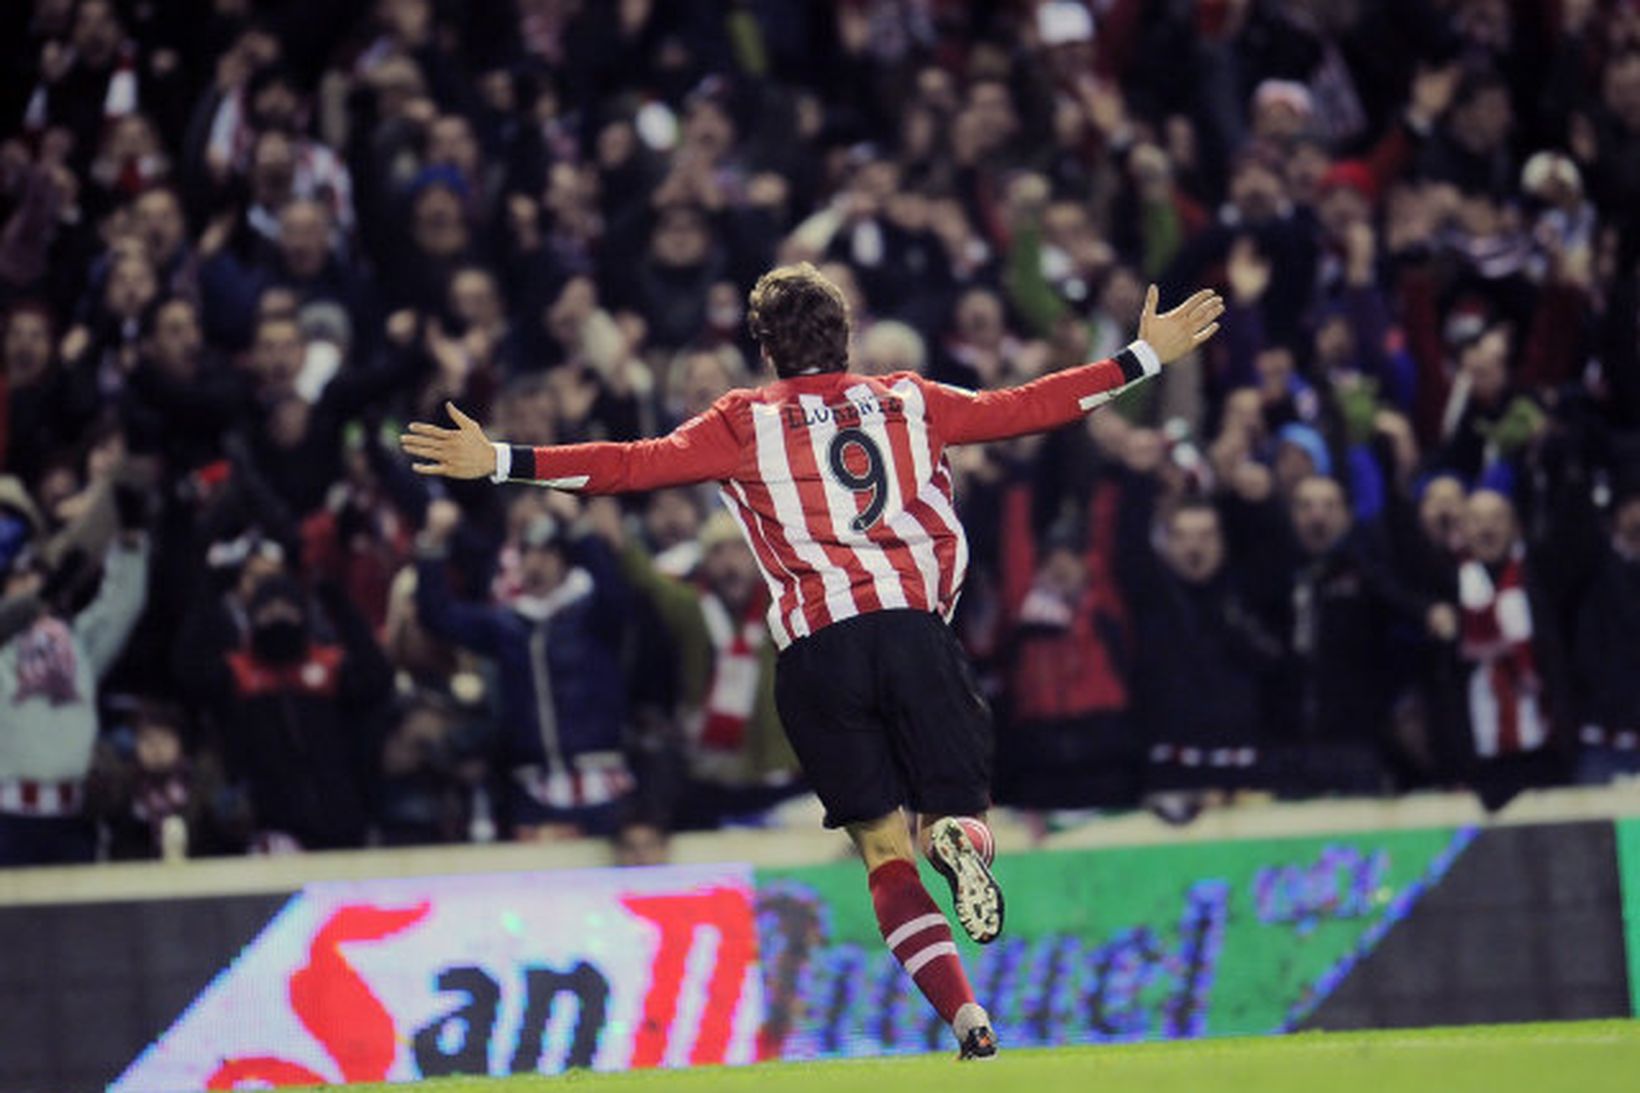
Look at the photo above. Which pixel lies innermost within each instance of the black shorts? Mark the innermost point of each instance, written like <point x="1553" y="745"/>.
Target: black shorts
<point x="883" y="710"/>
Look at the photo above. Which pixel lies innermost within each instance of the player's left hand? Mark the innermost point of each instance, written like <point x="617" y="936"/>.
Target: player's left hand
<point x="1178" y="332"/>
<point x="462" y="452"/>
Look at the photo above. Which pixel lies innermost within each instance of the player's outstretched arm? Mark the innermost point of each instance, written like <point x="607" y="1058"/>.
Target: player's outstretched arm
<point x="703" y="449"/>
<point x="967" y="417"/>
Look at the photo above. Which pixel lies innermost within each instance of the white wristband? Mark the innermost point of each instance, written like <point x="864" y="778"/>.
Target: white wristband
<point x="1148" y="360"/>
<point x="503" y="463"/>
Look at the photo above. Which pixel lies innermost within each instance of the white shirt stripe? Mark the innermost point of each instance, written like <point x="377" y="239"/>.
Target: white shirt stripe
<point x="775" y="471"/>
<point x="930" y="478"/>
<point x="916" y="424"/>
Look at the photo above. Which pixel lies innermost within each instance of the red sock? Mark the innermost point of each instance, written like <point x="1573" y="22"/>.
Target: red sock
<point x="919" y="937"/>
<point x="980" y="836"/>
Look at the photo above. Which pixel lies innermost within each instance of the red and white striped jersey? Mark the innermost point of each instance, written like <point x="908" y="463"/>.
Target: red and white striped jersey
<point x="839" y="481"/>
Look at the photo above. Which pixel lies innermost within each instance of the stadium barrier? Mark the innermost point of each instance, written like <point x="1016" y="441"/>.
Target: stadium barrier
<point x="507" y="971"/>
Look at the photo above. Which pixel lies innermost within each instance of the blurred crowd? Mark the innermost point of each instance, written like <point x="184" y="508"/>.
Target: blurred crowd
<point x="1382" y="534"/>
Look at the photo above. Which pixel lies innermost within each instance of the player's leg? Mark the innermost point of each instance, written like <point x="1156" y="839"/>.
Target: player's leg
<point x="961" y="849"/>
<point x="826" y="688"/>
<point x="943" y="744"/>
<point x="917" y="933"/>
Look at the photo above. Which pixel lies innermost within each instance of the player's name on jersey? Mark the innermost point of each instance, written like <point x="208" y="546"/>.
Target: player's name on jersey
<point x="845" y="413"/>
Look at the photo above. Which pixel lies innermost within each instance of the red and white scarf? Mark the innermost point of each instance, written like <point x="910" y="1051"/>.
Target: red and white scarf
<point x="736" y="662"/>
<point x="1505" y="712"/>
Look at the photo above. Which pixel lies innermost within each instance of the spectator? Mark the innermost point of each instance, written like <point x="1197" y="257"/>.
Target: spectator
<point x="670" y="284"/>
<point x="44" y="195"/>
<point x="889" y="347"/>
<point x="1471" y="152"/>
<point x="299" y="257"/>
<point x="981" y="348"/>
<point x="158" y="220"/>
<point x="642" y="844"/>
<point x="52" y="658"/>
<point x="105" y="343"/>
<point x="84" y="82"/>
<point x="44" y="400"/>
<point x="1509" y="663"/>
<point x="738" y="762"/>
<point x="478" y="315"/>
<point x="177" y="382"/>
<point x="1615" y="162"/>
<point x="1070" y="742"/>
<point x="1341" y="609"/>
<point x="298" y="712"/>
<point x="269" y="99"/>
<point x="1606" y="678"/>
<point x="298" y="444"/>
<point x="699" y="378"/>
<point x="671" y="523"/>
<point x="1481" y="404"/>
<point x="433" y="775"/>
<point x="1194" y="618"/>
<point x="441" y="240"/>
<point x="129" y="161"/>
<point x="359" y="538"/>
<point x="157" y="800"/>
<point x="556" y="647"/>
<point x="1424" y="535"/>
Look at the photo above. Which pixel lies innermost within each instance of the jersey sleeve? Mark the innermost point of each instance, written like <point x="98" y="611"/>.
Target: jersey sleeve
<point x="961" y="416"/>
<point x="702" y="449"/>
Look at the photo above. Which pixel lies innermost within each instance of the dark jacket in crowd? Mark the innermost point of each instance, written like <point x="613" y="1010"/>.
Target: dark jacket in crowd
<point x="1341" y="616"/>
<point x="300" y="728"/>
<point x="1211" y="634"/>
<point x="1606" y="649"/>
<point x="562" y="691"/>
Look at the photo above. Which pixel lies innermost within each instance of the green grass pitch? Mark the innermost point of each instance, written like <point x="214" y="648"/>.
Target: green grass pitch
<point x="1592" y="1057"/>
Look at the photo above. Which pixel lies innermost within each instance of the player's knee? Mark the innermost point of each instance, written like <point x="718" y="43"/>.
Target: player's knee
<point x="882" y="841"/>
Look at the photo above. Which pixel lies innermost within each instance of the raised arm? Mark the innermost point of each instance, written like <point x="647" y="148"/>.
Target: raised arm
<point x="703" y="449"/>
<point x="970" y="417"/>
<point x="106" y="623"/>
<point x="475" y="626"/>
<point x="967" y="417"/>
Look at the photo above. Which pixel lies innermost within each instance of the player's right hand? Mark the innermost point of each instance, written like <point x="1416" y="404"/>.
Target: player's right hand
<point x="1178" y="332"/>
<point x="462" y="452"/>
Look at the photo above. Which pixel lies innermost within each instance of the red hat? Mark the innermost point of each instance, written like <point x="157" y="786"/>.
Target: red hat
<point x="1354" y="174"/>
